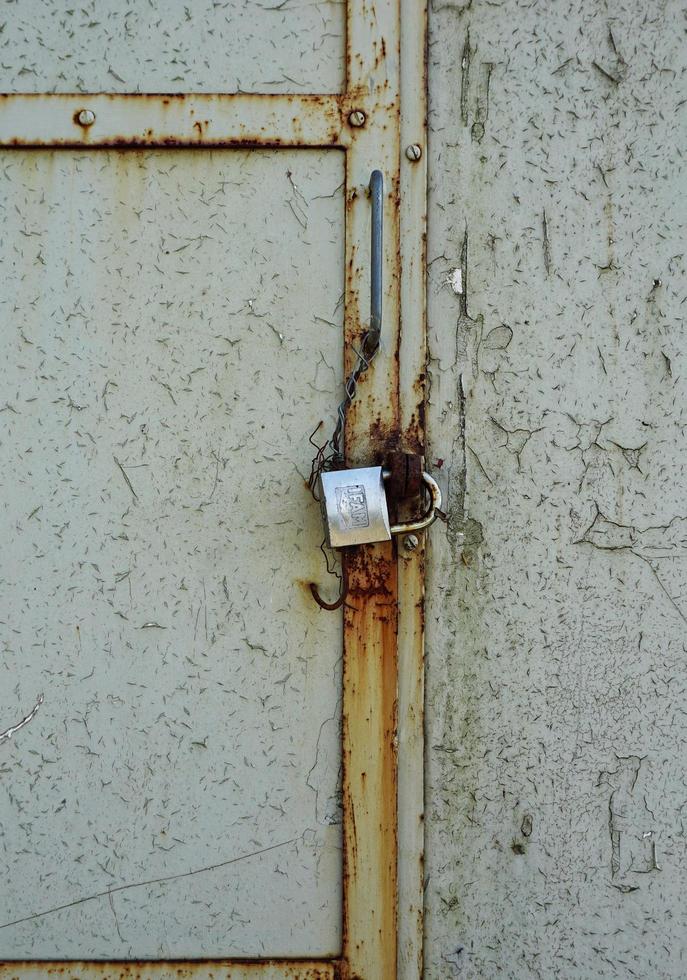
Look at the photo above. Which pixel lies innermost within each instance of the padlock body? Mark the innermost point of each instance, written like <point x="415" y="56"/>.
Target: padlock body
<point x="354" y="507"/>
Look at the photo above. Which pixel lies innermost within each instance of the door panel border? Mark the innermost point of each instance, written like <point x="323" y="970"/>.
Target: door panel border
<point x="121" y="121"/>
<point x="384" y="614"/>
<point x="173" y="970"/>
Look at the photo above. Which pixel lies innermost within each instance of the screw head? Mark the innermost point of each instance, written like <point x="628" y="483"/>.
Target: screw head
<point x="357" y="118"/>
<point x="410" y="542"/>
<point x="85" y="117"/>
<point x="414" y="152"/>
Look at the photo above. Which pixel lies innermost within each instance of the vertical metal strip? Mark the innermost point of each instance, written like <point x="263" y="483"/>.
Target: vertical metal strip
<point x="412" y="361"/>
<point x="370" y="616"/>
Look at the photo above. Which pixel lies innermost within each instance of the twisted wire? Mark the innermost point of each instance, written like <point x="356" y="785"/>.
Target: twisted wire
<point x="330" y="455"/>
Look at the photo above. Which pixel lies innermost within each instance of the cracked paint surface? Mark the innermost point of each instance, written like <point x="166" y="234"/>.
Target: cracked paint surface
<point x="173" y="326"/>
<point x="9" y="732"/>
<point x="556" y="598"/>
<point x="173" y="46"/>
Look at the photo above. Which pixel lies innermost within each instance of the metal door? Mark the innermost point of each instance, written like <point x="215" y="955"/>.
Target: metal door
<point x="200" y="769"/>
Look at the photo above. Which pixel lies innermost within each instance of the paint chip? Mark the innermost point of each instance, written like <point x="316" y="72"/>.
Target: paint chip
<point x="455" y="280"/>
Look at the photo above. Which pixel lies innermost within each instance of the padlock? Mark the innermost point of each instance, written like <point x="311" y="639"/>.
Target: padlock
<point x="355" y="509"/>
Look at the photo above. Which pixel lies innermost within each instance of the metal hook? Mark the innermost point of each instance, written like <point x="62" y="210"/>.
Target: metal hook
<point x="368" y="349"/>
<point x="342" y="594"/>
<point x="370" y="342"/>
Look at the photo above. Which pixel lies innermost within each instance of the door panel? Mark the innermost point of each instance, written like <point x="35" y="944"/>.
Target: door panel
<point x="173" y="46"/>
<point x="369" y="919"/>
<point x="174" y="334"/>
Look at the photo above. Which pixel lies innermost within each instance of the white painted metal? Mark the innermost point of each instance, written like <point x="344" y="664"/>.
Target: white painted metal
<point x="373" y="48"/>
<point x="556" y="703"/>
<point x="179" y="970"/>
<point x="172" y="335"/>
<point x="194" y="120"/>
<point x="173" y="46"/>
<point x="411" y="570"/>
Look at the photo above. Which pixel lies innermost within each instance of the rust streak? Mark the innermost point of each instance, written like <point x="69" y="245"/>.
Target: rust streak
<point x="370" y="670"/>
<point x="158" y="119"/>
<point x="269" y="969"/>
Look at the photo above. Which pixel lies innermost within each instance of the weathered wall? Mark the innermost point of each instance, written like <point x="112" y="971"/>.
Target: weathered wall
<point x="557" y="662"/>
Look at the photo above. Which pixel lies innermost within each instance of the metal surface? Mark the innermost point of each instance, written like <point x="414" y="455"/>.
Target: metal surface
<point x="331" y="455"/>
<point x="412" y="355"/>
<point x="13" y="729"/>
<point x="371" y="609"/>
<point x="388" y="410"/>
<point x="178" y="120"/>
<point x="430" y="515"/>
<point x="354" y="507"/>
<point x="556" y="708"/>
<point x="155" y="531"/>
<point x="173" y="46"/>
<point x="86" y="117"/>
<point x="179" y="970"/>
<point x="357" y="118"/>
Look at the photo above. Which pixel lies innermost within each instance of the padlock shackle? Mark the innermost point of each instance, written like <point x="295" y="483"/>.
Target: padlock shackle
<point x="430" y="514"/>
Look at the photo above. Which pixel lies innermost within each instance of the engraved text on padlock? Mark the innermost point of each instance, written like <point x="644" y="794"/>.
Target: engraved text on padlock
<point x="354" y="506"/>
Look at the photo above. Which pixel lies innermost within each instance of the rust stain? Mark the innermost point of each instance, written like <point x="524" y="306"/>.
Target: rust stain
<point x="148" y="138"/>
<point x="333" y="109"/>
<point x="370" y="720"/>
<point x="184" y="970"/>
<point x="385" y="436"/>
<point x="370" y="578"/>
<point x="371" y="608"/>
<point x="371" y="613"/>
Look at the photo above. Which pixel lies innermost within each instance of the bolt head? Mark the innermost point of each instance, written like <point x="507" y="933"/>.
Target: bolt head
<point x="357" y="118"/>
<point x="414" y="152"/>
<point x="86" y="117"/>
<point x="410" y="542"/>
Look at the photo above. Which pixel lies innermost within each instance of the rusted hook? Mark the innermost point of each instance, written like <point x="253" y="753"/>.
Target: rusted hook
<point x="342" y="594"/>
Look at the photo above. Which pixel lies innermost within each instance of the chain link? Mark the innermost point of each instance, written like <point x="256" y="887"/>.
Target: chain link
<point x="330" y="455"/>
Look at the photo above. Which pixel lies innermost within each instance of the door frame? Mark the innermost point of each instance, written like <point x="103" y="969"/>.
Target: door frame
<point x="384" y="612"/>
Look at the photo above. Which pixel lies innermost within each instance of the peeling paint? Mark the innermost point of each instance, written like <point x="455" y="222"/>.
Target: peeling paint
<point x="172" y="46"/>
<point x="124" y="121"/>
<point x="454" y="280"/>
<point x="555" y="625"/>
<point x="163" y="789"/>
<point x="9" y="732"/>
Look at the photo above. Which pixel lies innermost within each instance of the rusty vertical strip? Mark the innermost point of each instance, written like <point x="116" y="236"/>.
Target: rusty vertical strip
<point x="370" y="666"/>
<point x="371" y="614"/>
<point x="411" y="765"/>
<point x="413" y="351"/>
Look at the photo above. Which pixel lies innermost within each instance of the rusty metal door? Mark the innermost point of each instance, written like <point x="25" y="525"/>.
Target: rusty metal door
<point x="201" y="773"/>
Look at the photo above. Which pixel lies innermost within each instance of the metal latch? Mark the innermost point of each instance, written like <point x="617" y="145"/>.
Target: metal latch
<point x="355" y="508"/>
<point x="354" y="502"/>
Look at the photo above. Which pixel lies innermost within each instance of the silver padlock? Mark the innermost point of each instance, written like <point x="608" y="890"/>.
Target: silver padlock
<point x="355" y="510"/>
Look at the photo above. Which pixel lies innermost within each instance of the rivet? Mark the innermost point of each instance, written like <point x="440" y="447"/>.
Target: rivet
<point x="357" y="118"/>
<point x="414" y="152"/>
<point x="86" y="117"/>
<point x="410" y="542"/>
